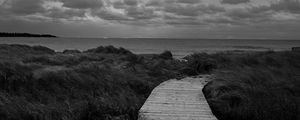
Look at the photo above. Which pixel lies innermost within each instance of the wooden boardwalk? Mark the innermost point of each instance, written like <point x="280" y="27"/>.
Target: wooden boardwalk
<point x="177" y="100"/>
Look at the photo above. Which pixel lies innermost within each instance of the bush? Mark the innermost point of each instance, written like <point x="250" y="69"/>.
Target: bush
<point x="199" y="64"/>
<point x="13" y="76"/>
<point x="71" y="51"/>
<point x="166" y="55"/>
<point x="16" y="48"/>
<point x="15" y="52"/>
<point x="109" y="50"/>
<point x="51" y="90"/>
<point x="253" y="94"/>
<point x="43" y="49"/>
<point x="37" y="85"/>
<point x="79" y="86"/>
<point x="44" y="60"/>
<point x="256" y="86"/>
<point x="61" y="59"/>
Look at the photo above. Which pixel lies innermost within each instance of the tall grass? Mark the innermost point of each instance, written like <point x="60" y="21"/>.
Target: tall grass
<point x="109" y="83"/>
<point x="96" y="84"/>
<point x="254" y="85"/>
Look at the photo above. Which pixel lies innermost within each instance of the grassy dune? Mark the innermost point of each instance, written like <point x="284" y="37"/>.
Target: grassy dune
<point x="109" y="83"/>
<point x="253" y="85"/>
<point x="101" y="83"/>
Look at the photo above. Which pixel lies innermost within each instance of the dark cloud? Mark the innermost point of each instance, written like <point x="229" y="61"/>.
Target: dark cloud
<point x="185" y="21"/>
<point x="131" y="12"/>
<point x="235" y="1"/>
<point x="265" y="13"/>
<point x="154" y="3"/>
<point x="292" y="6"/>
<point x="24" y="7"/>
<point x="56" y="13"/>
<point x="82" y="4"/>
<point x="222" y="20"/>
<point x="125" y="4"/>
<point x="182" y="10"/>
<point x="191" y="13"/>
<point x="109" y="15"/>
<point x="211" y="9"/>
<point x="249" y="14"/>
<point x="119" y="5"/>
<point x="140" y="13"/>
<point x="189" y="1"/>
<point x="192" y="10"/>
<point x="131" y="2"/>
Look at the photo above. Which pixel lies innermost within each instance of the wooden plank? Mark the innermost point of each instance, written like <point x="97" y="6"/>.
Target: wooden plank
<point x="177" y="100"/>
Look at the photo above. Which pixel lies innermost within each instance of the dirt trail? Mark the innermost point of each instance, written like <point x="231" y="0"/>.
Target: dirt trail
<point x="178" y="100"/>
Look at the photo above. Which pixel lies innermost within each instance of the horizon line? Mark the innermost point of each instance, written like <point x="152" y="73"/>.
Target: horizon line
<point x="175" y="38"/>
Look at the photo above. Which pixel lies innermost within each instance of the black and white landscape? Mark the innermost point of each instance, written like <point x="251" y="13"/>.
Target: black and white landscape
<point x="149" y="59"/>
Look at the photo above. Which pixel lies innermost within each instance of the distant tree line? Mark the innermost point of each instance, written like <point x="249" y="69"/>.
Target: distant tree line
<point x="3" y="34"/>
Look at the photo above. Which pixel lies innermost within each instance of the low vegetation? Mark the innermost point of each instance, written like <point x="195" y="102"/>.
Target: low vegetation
<point x="252" y="85"/>
<point x="105" y="83"/>
<point x="109" y="83"/>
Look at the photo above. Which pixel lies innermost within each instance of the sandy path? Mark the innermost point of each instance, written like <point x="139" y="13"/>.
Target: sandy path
<point x="177" y="100"/>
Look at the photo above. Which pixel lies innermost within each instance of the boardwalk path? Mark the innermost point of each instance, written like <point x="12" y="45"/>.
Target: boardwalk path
<point x="177" y="100"/>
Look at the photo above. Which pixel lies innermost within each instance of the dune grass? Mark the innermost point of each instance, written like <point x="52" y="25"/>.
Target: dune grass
<point x="105" y="83"/>
<point x="253" y="85"/>
<point x="109" y="83"/>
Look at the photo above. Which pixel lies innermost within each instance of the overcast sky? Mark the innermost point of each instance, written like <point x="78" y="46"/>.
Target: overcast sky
<point x="259" y="19"/>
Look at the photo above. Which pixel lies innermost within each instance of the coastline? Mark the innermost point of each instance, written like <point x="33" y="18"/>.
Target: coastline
<point x="179" y="47"/>
<point x="3" y="34"/>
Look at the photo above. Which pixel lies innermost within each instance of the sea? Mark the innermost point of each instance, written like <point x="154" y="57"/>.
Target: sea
<point x="179" y="47"/>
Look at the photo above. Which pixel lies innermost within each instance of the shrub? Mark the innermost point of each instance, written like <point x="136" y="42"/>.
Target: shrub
<point x="62" y="59"/>
<point x="79" y="86"/>
<point x="43" y="49"/>
<point x="16" y="48"/>
<point x="252" y="94"/>
<point x="13" y="76"/>
<point x="45" y="97"/>
<point x="255" y="86"/>
<point x="166" y="55"/>
<point x="45" y="60"/>
<point x="71" y="51"/>
<point x="199" y="63"/>
<point x="15" y="52"/>
<point x="89" y="85"/>
<point x="109" y="50"/>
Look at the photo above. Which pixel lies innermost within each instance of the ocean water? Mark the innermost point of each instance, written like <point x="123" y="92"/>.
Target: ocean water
<point x="179" y="47"/>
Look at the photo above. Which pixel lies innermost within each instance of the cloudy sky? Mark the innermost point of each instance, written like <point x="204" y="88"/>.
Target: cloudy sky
<point x="250" y="19"/>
